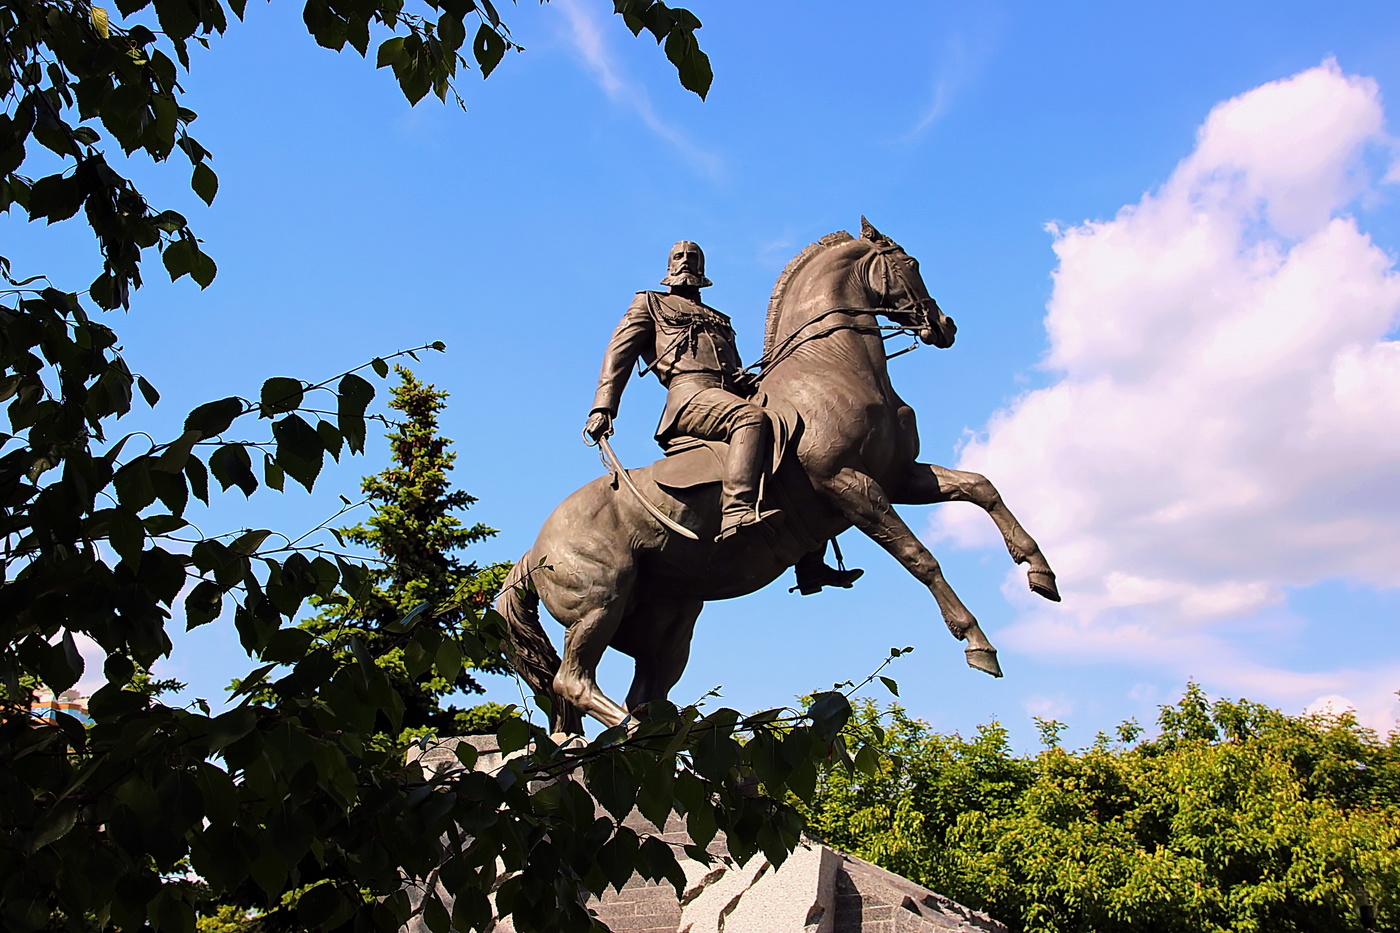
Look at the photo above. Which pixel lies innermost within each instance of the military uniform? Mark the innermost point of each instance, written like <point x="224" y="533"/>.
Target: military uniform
<point x="690" y="347"/>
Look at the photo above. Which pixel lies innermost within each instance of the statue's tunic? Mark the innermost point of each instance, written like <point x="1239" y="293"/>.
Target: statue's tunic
<point x="690" y="347"/>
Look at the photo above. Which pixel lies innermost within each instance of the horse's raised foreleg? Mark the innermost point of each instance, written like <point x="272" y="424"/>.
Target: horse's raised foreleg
<point x="867" y="507"/>
<point x="927" y="483"/>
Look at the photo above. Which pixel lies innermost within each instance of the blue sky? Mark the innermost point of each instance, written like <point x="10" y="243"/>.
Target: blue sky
<point x="983" y="137"/>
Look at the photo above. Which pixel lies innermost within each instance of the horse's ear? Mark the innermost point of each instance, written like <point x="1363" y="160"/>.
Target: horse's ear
<point x="868" y="232"/>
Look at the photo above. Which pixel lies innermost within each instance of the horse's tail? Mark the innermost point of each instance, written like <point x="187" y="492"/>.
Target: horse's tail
<point x="531" y="652"/>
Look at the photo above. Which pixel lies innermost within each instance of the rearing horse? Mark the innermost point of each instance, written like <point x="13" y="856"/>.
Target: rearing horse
<point x="612" y="575"/>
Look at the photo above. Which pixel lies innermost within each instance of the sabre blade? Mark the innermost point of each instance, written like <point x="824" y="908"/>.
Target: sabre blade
<point x="655" y="512"/>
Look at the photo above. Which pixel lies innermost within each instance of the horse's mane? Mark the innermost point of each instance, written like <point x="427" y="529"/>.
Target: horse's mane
<point x="785" y="279"/>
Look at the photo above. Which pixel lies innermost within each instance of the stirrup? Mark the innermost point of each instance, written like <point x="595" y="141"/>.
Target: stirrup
<point x="746" y="519"/>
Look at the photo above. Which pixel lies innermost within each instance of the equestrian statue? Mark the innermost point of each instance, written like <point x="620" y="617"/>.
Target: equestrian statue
<point x="761" y="471"/>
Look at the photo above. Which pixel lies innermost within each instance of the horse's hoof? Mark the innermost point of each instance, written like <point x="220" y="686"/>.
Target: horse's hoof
<point x="1043" y="584"/>
<point x="983" y="659"/>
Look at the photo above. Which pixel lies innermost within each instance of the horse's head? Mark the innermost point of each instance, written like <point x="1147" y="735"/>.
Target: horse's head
<point x="893" y="277"/>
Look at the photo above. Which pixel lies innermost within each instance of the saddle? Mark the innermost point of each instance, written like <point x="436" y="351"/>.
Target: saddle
<point x="693" y="461"/>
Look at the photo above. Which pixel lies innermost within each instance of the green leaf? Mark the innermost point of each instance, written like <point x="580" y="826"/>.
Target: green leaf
<point x="331" y="438"/>
<point x="380" y="367"/>
<point x="488" y="48"/>
<point x="390" y="50"/>
<point x="72" y="658"/>
<point x="247" y="544"/>
<point x="198" y="476"/>
<point x="353" y="396"/>
<point x="512" y="734"/>
<point x="700" y="824"/>
<point x="177" y="18"/>
<point x="692" y="65"/>
<point x="148" y="391"/>
<point x="202" y="268"/>
<point x="203" y="605"/>
<point x="232" y="466"/>
<point x="276" y="478"/>
<point x="228" y="728"/>
<point x="803" y="780"/>
<point x="435" y="915"/>
<point x="867" y="760"/>
<point x="135" y="490"/>
<point x="177" y="453"/>
<point x="449" y="660"/>
<point x="656" y="862"/>
<point x="657" y="793"/>
<point x="715" y="753"/>
<point x="118" y="669"/>
<point x="174" y="494"/>
<point x="179" y="257"/>
<point x="829" y="713"/>
<point x="280" y="394"/>
<point x="890" y="685"/>
<point x="54" y="824"/>
<point x="612" y="783"/>
<point x="618" y="857"/>
<point x="214" y="418"/>
<point x="204" y="182"/>
<point x="126" y="534"/>
<point x="451" y="31"/>
<point x="355" y="393"/>
<point x="300" y="450"/>
<point x="163" y="524"/>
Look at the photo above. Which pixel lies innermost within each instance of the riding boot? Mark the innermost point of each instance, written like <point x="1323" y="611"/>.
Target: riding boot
<point x="742" y="468"/>
<point x="813" y="573"/>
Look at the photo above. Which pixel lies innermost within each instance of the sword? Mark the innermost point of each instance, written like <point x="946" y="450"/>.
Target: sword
<point x="616" y="465"/>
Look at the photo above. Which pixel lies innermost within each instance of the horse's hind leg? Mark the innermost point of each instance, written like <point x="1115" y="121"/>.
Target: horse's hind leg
<point x="661" y="660"/>
<point x="596" y="611"/>
<point x="927" y="483"/>
<point x="867" y="507"/>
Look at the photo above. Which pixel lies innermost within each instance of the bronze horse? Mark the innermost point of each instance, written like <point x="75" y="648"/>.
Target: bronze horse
<point x="612" y="575"/>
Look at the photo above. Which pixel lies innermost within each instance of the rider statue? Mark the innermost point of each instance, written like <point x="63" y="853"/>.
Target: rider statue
<point x="691" y="348"/>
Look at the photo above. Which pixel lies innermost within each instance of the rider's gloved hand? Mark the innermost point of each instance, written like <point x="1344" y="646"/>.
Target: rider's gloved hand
<point x="599" y="424"/>
<point x="745" y="384"/>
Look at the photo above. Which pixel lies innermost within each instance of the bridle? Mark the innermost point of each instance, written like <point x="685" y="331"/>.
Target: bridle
<point x="916" y="314"/>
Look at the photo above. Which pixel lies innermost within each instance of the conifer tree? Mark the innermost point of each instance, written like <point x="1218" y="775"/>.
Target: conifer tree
<point x="415" y="531"/>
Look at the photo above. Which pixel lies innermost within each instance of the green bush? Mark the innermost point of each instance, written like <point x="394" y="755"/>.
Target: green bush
<point x="1235" y="817"/>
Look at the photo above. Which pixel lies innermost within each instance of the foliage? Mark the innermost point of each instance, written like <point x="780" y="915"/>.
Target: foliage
<point x="228" y="919"/>
<point x="1236" y="817"/>
<point x="139" y="820"/>
<point x="416" y="536"/>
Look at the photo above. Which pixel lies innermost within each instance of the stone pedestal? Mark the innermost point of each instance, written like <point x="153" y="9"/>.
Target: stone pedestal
<point x="817" y="890"/>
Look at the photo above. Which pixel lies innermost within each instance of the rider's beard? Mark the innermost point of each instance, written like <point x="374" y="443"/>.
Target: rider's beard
<point x="686" y="278"/>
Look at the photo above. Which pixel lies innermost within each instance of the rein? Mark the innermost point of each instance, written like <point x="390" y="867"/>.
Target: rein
<point x="919" y="306"/>
<point x="788" y="347"/>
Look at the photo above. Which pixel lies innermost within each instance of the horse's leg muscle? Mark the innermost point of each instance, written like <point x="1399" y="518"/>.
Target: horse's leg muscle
<point x="867" y="507"/>
<point x="597" y="612"/>
<point x="927" y="483"/>
<point x="670" y="627"/>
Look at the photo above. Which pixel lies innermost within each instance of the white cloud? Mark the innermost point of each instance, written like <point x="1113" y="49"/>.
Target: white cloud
<point x="959" y="63"/>
<point x="586" y="35"/>
<point x="1224" y="423"/>
<point x="1057" y="706"/>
